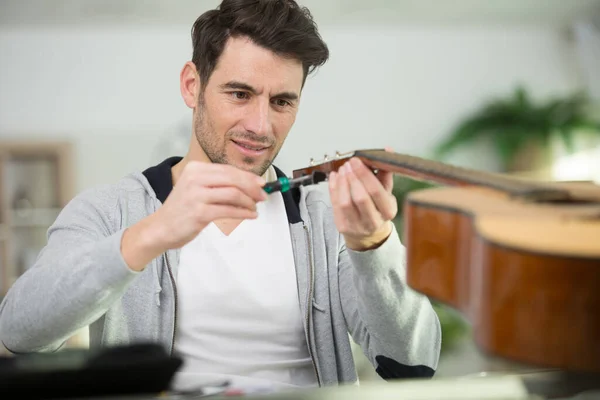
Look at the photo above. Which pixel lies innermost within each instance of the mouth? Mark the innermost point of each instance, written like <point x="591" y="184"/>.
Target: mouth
<point x="250" y="148"/>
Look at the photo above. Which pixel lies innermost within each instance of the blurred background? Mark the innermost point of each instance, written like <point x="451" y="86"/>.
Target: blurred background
<point x="89" y="91"/>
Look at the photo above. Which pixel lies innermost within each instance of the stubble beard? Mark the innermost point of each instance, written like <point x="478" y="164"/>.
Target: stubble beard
<point x="215" y="151"/>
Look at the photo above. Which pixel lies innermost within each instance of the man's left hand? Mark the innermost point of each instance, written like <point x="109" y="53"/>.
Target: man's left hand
<point x="363" y="204"/>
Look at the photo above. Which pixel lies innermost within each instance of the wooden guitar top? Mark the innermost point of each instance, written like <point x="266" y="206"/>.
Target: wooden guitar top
<point x="563" y="229"/>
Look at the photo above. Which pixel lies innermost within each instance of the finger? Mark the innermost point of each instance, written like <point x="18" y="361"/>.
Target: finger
<point x="334" y="193"/>
<point x="227" y="196"/>
<point x="384" y="202"/>
<point x="387" y="180"/>
<point x="222" y="175"/>
<point x="367" y="211"/>
<point x="332" y="187"/>
<point x="385" y="177"/>
<point x="342" y="199"/>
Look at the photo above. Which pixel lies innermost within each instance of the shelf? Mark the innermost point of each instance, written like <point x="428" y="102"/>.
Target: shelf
<point x="33" y="217"/>
<point x="36" y="183"/>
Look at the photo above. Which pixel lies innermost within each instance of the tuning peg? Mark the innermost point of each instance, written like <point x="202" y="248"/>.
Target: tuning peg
<point x="312" y="161"/>
<point x="326" y="157"/>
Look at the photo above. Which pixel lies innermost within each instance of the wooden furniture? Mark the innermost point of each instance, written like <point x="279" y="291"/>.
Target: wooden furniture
<point x="519" y="259"/>
<point x="36" y="181"/>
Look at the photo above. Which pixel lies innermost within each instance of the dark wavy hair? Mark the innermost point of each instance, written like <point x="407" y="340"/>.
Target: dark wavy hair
<point x="281" y="26"/>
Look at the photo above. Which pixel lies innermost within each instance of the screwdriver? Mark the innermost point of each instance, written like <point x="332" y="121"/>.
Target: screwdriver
<point x="284" y="184"/>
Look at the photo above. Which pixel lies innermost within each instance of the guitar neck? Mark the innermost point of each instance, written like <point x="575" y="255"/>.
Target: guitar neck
<point x="444" y="174"/>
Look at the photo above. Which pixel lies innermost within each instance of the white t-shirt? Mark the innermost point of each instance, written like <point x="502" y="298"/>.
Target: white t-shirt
<point x="239" y="315"/>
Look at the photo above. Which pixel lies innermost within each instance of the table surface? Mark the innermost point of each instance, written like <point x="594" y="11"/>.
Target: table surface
<point x="534" y="386"/>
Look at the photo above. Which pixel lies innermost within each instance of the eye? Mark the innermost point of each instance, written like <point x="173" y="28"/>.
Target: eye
<point x="281" y="103"/>
<point x="240" y="95"/>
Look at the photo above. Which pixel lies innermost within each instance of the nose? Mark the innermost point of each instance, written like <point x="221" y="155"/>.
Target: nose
<point x="258" y="117"/>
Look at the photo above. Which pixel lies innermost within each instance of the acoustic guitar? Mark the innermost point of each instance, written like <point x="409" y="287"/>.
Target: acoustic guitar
<point x="520" y="260"/>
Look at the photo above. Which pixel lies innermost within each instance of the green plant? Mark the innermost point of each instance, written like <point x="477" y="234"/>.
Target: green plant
<point x="454" y="326"/>
<point x="515" y="122"/>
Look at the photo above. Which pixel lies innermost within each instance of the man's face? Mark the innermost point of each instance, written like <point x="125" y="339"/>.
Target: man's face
<point x="248" y="107"/>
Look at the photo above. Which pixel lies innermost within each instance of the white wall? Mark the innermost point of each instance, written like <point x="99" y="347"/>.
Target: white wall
<point x="587" y="34"/>
<point x="114" y="91"/>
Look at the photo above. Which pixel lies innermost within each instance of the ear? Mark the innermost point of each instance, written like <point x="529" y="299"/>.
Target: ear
<point x="189" y="82"/>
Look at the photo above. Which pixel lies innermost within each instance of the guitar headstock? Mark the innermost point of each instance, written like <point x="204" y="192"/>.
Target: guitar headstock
<point x="326" y="165"/>
<point x="333" y="163"/>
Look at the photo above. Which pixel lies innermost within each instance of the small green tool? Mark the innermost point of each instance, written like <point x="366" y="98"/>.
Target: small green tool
<point x="284" y="184"/>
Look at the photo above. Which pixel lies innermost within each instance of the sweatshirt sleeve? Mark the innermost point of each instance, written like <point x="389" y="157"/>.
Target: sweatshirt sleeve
<point x="396" y="327"/>
<point x="77" y="276"/>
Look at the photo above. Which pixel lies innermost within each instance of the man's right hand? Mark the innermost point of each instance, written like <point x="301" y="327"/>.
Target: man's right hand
<point x="204" y="192"/>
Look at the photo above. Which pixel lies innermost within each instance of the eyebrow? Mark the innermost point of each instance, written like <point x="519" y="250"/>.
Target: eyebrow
<point x="244" y="86"/>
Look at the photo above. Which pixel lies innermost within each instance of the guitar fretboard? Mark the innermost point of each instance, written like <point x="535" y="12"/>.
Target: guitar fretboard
<point x="441" y="173"/>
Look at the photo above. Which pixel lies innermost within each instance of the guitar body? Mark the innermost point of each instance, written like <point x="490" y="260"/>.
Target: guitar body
<point x="519" y="260"/>
<point x="526" y="276"/>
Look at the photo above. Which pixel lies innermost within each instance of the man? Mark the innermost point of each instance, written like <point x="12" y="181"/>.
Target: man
<point x="192" y="254"/>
